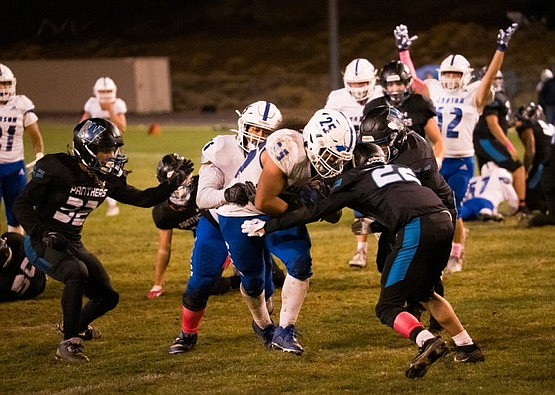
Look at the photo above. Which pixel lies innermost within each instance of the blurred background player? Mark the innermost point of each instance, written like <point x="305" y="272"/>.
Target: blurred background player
<point x="485" y="194"/>
<point x="17" y="115"/>
<point x="535" y="134"/>
<point x="492" y="143"/>
<point x="220" y="160"/>
<point x="19" y="279"/>
<point x="180" y="211"/>
<point x="53" y="207"/>
<point x="459" y="104"/>
<point x="546" y="95"/>
<point x="360" y="88"/>
<point x="105" y="104"/>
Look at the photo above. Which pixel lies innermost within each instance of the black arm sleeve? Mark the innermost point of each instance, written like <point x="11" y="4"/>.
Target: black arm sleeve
<point x="149" y="197"/>
<point x="305" y="215"/>
<point x="25" y="211"/>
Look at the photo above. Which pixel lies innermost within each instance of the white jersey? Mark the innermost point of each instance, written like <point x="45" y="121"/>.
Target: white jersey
<point x="15" y="116"/>
<point x="342" y="100"/>
<point x="495" y="187"/>
<point x="285" y="148"/>
<point x="92" y="106"/>
<point x="457" y="116"/>
<point x="220" y="159"/>
<point x="250" y="170"/>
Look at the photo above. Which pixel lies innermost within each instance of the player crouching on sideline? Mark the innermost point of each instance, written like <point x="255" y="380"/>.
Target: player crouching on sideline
<point x="393" y="196"/>
<point x="64" y="190"/>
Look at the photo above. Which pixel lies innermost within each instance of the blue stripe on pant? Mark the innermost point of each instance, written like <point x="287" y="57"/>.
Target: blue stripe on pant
<point x="405" y="256"/>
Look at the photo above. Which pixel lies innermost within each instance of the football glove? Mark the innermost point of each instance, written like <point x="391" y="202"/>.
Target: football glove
<point x="55" y="240"/>
<point x="402" y="39"/>
<point x="253" y="227"/>
<point x="180" y="174"/>
<point x="504" y="37"/>
<point x="240" y="193"/>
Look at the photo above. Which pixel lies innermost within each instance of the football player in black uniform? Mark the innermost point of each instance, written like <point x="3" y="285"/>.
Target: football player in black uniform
<point x="180" y="211"/>
<point x="535" y="134"/>
<point x="385" y="126"/>
<point x="418" y="112"/>
<point x="423" y="229"/>
<point x="492" y="144"/>
<point x="65" y="188"/>
<point x="19" y="279"/>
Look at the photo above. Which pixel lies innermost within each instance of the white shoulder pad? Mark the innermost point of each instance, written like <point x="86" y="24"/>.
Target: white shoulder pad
<point x="23" y="103"/>
<point x="221" y="149"/>
<point x="286" y="149"/>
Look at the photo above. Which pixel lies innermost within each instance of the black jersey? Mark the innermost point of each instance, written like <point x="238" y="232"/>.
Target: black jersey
<point x="61" y="195"/>
<point x="19" y="279"/>
<point x="542" y="139"/>
<point x="390" y="194"/>
<point x="180" y="211"/>
<point x="416" y="110"/>
<point x="417" y="154"/>
<point x="497" y="107"/>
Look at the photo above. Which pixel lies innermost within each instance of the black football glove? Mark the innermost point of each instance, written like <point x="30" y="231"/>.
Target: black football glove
<point x="240" y="193"/>
<point x="180" y="174"/>
<point x="55" y="240"/>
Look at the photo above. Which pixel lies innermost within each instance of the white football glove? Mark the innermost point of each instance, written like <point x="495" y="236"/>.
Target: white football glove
<point x="402" y="39"/>
<point x="30" y="165"/>
<point x="504" y="36"/>
<point x="253" y="227"/>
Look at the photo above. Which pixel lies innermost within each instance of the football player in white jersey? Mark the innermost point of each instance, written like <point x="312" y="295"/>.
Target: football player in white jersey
<point x="105" y="104"/>
<point x="288" y="159"/>
<point x="220" y="160"/>
<point x="459" y="104"/>
<point x="17" y="115"/>
<point x="486" y="193"/>
<point x="360" y="88"/>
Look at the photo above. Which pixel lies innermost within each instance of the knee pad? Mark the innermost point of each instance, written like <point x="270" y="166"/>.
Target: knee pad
<point x="300" y="268"/>
<point x="252" y="286"/>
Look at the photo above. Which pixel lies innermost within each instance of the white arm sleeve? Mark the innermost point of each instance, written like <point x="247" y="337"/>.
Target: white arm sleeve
<point x="211" y="185"/>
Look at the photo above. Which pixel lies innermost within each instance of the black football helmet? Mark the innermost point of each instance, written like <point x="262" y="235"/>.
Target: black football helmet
<point x="368" y="154"/>
<point x="168" y="165"/>
<point x="396" y="71"/>
<point x="531" y="112"/>
<point x="5" y="253"/>
<point x="96" y="135"/>
<point x="384" y="125"/>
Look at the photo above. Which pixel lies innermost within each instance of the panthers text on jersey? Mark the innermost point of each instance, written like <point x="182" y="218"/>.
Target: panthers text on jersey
<point x="15" y="115"/>
<point x="61" y="195"/>
<point x="457" y="116"/>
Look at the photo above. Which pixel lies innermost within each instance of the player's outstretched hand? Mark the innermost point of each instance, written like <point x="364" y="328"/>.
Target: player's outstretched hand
<point x="402" y="39"/>
<point x="504" y="36"/>
<point x="253" y="227"/>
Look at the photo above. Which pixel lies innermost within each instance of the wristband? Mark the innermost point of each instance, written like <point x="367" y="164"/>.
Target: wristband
<point x="502" y="47"/>
<point x="510" y="146"/>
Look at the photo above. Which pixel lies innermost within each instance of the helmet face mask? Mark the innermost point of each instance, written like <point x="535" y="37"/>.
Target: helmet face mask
<point x="105" y="90"/>
<point x="455" y="73"/>
<point x="359" y="79"/>
<point x="96" y="143"/>
<point x="257" y="121"/>
<point x="385" y="127"/>
<point x="329" y="138"/>
<point x="396" y="82"/>
<point x="368" y="154"/>
<point x="7" y="83"/>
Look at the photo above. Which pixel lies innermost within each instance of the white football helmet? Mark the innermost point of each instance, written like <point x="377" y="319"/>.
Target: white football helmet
<point x="455" y="64"/>
<point x="262" y="115"/>
<point x="329" y="139"/>
<point x="105" y="90"/>
<point x="7" y="83"/>
<point x="360" y="71"/>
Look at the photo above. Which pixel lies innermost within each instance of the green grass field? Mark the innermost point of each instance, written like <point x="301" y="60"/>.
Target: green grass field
<point x="504" y="296"/>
